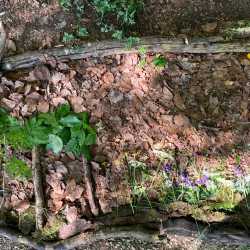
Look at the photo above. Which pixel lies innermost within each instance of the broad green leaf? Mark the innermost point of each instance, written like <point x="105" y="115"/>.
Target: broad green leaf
<point x="75" y="131"/>
<point x="64" y="134"/>
<point x="90" y="139"/>
<point x="48" y="119"/>
<point x="70" y="121"/>
<point x="62" y="111"/>
<point x="55" y="144"/>
<point x="73" y="146"/>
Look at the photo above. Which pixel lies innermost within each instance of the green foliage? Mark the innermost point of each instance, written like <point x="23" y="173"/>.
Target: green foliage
<point x="18" y="169"/>
<point x="55" y="144"/>
<point x="160" y="61"/>
<point x="142" y="53"/>
<point x="82" y="32"/>
<point x="68" y="37"/>
<point x="138" y="179"/>
<point x="114" y="16"/>
<point x="66" y="4"/>
<point x="53" y="130"/>
<point x="131" y="41"/>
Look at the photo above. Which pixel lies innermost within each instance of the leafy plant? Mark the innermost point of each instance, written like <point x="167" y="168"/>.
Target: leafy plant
<point x="131" y="41"/>
<point x="124" y="12"/>
<point x="53" y="130"/>
<point x="66" y="4"/>
<point x="82" y="32"/>
<point x="160" y="61"/>
<point x="68" y="37"/>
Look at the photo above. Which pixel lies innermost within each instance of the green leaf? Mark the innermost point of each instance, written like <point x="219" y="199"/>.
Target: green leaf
<point x="86" y="152"/>
<point x="73" y="146"/>
<point x="160" y="61"/>
<point x="62" y="111"/>
<point x="82" y="32"/>
<point x="37" y="135"/>
<point x="70" y="121"/>
<point x="55" y="144"/>
<point x="84" y="116"/>
<point x="49" y="120"/>
<point x="90" y="139"/>
<point x="65" y="135"/>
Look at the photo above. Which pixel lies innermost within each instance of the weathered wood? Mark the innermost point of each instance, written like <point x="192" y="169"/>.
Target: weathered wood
<point x="88" y="180"/>
<point x="2" y="39"/>
<point x="37" y="175"/>
<point x="106" y="48"/>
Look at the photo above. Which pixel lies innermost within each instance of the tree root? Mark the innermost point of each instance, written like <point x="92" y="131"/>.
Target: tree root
<point x="107" y="48"/>
<point x="37" y="174"/>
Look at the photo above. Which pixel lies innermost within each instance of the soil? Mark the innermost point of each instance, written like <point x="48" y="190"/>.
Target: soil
<point x="196" y="109"/>
<point x="36" y="24"/>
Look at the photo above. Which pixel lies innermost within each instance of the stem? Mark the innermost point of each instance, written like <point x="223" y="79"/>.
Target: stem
<point x="38" y="188"/>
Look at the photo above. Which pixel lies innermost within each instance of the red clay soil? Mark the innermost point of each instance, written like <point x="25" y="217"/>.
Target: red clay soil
<point x="196" y="108"/>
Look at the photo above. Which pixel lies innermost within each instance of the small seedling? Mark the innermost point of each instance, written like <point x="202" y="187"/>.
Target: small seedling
<point x="131" y="41"/>
<point x="160" y="61"/>
<point x="68" y="37"/>
<point x="82" y="32"/>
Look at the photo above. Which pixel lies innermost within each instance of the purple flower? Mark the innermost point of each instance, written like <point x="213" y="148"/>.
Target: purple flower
<point x="167" y="168"/>
<point x="186" y="180"/>
<point x="238" y="171"/>
<point x="202" y="181"/>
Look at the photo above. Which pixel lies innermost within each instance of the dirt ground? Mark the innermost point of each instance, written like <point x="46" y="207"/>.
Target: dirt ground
<point x="34" y="24"/>
<point x="196" y="109"/>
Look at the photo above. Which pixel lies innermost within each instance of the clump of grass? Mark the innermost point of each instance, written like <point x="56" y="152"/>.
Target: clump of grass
<point x="50" y="231"/>
<point x="18" y="169"/>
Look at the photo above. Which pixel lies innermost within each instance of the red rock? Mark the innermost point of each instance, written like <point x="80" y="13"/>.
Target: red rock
<point x="108" y="78"/>
<point x="22" y="206"/>
<point x="71" y="214"/>
<point x="74" y="228"/>
<point x="77" y="103"/>
<point x="41" y="72"/>
<point x="8" y="104"/>
<point x="56" y="101"/>
<point x="181" y="120"/>
<point x="43" y="106"/>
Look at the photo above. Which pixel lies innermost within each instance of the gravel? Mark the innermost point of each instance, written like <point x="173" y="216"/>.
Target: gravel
<point x="173" y="242"/>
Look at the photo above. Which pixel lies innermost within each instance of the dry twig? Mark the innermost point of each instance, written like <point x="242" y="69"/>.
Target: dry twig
<point x="37" y="174"/>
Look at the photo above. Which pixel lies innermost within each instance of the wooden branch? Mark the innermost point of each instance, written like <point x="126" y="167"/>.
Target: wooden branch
<point x="106" y="48"/>
<point x="89" y="187"/>
<point x="38" y="188"/>
<point x="2" y="39"/>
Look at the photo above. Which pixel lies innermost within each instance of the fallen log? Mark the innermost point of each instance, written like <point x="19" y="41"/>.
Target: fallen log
<point x="107" y="48"/>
